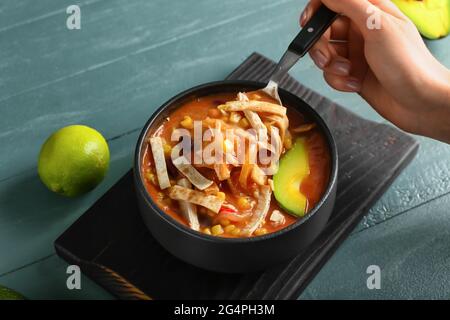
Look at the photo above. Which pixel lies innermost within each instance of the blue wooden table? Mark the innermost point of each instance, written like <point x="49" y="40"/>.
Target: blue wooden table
<point x="128" y="58"/>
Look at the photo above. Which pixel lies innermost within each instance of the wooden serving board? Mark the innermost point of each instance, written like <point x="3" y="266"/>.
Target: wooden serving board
<point x="113" y="247"/>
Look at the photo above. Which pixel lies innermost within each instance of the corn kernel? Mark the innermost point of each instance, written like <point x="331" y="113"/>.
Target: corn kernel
<point x="243" y="203"/>
<point x="228" y="145"/>
<point x="220" y="195"/>
<point x="151" y="178"/>
<point x="260" y="231"/>
<point x="207" y="231"/>
<point x="288" y="141"/>
<point x="217" y="230"/>
<point x="229" y="228"/>
<point x="187" y="123"/>
<point x="235" y="231"/>
<point x="224" y="222"/>
<point x="167" y="149"/>
<point x="243" y="123"/>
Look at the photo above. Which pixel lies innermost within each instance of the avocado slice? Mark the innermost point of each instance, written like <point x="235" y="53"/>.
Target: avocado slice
<point x="431" y="17"/>
<point x="8" y="294"/>
<point x="294" y="167"/>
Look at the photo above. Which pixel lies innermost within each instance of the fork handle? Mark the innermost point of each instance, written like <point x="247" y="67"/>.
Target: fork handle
<point x="313" y="30"/>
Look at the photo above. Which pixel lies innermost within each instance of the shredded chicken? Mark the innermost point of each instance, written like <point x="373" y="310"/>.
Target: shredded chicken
<point x="281" y="122"/>
<point x="260" y="212"/>
<point x="253" y="105"/>
<point x="257" y="124"/>
<point x="277" y="218"/>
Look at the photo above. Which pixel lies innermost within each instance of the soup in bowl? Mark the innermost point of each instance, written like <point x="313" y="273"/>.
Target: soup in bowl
<point x="224" y="173"/>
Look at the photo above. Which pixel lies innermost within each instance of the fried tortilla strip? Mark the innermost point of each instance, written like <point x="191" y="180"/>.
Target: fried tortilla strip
<point x="212" y="203"/>
<point x="276" y="143"/>
<point x="304" y="128"/>
<point x="242" y="97"/>
<point x="188" y="210"/>
<point x="260" y="212"/>
<point x="253" y="105"/>
<point x="160" y="162"/>
<point x="195" y="177"/>
<point x="222" y="171"/>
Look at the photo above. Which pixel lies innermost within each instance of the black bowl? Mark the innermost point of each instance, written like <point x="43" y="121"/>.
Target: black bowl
<point x="241" y="254"/>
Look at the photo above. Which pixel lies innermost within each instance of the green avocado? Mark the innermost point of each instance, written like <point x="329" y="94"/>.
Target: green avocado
<point x="294" y="167"/>
<point x="8" y="294"/>
<point x="431" y="17"/>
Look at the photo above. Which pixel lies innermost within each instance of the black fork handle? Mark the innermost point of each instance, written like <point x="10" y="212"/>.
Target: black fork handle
<point x="313" y="30"/>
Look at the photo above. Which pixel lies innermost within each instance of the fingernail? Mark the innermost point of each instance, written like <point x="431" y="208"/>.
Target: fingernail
<point x="305" y="16"/>
<point x="353" y="84"/>
<point x="341" y="67"/>
<point x="319" y="58"/>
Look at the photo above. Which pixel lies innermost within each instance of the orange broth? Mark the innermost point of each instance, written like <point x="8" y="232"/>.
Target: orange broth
<point x="312" y="187"/>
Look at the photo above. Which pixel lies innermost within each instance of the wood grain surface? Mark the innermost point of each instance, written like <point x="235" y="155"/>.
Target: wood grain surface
<point x="129" y="57"/>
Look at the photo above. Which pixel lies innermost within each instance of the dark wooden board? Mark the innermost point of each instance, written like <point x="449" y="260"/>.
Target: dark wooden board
<point x="113" y="247"/>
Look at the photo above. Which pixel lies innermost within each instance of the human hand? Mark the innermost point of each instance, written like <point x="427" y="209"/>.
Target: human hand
<point x="389" y="66"/>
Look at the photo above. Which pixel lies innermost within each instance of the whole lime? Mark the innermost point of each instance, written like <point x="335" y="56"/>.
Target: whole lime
<point x="73" y="160"/>
<point x="8" y="294"/>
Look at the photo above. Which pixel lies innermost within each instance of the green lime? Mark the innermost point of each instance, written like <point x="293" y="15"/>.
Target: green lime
<point x="73" y="160"/>
<point x="8" y="294"/>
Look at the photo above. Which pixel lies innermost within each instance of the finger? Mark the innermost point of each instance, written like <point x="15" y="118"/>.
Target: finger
<point x="356" y="10"/>
<point x="343" y="83"/>
<point x="322" y="53"/>
<point x="307" y="13"/>
<point x="389" y="7"/>
<point x="339" y="32"/>
<point x="339" y="29"/>
<point x="339" y="66"/>
<point x="356" y="53"/>
<point x="341" y="49"/>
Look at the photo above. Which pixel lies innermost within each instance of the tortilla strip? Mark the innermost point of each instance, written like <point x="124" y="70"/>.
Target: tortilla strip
<point x="304" y="128"/>
<point x="242" y="97"/>
<point x="195" y="177"/>
<point x="160" y="162"/>
<point x="254" y="105"/>
<point x="189" y="210"/>
<point x="276" y="142"/>
<point x="212" y="203"/>
<point x="260" y="212"/>
<point x="222" y="171"/>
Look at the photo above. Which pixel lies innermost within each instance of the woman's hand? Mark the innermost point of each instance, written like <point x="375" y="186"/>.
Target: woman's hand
<point x="389" y="66"/>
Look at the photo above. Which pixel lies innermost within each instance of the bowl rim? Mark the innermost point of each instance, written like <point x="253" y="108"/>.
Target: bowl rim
<point x="138" y="178"/>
